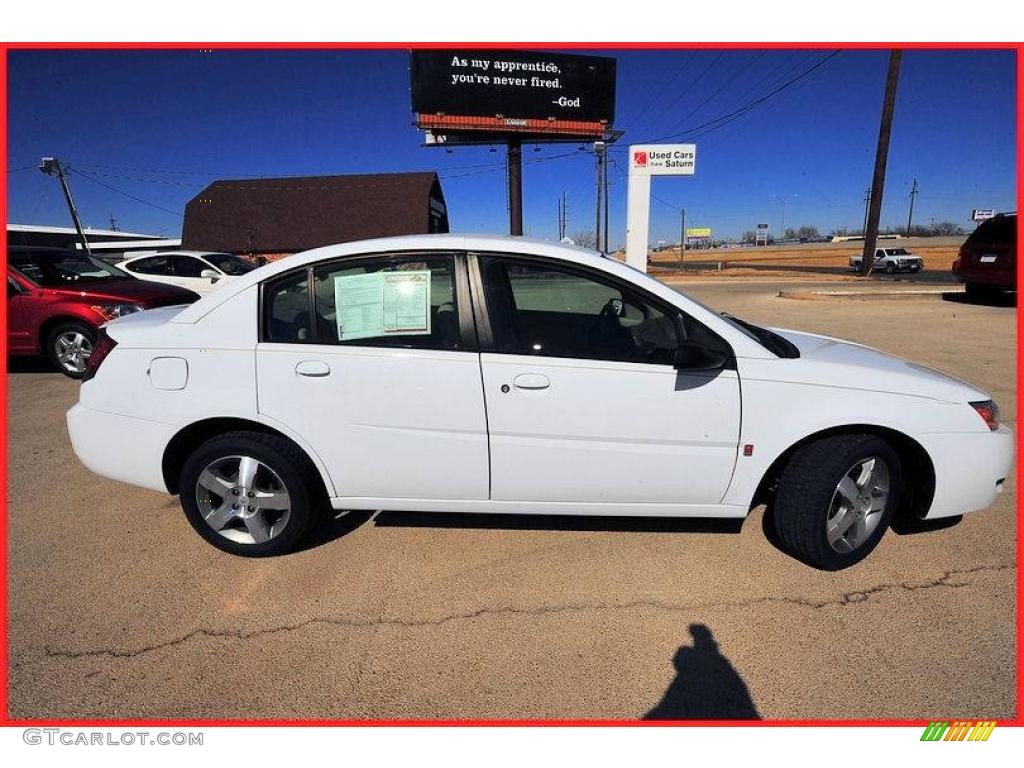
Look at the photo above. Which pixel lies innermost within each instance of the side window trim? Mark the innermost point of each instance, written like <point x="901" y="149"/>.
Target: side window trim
<point x="487" y="340"/>
<point x="468" y="337"/>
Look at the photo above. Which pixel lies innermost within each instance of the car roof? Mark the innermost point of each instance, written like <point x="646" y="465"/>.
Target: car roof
<point x="404" y="243"/>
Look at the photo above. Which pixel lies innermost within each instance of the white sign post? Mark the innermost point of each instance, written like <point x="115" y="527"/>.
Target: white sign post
<point x="646" y="160"/>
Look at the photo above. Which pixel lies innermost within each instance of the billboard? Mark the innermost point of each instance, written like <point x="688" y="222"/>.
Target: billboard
<point x="698" y="232"/>
<point x="512" y="92"/>
<point x="981" y="214"/>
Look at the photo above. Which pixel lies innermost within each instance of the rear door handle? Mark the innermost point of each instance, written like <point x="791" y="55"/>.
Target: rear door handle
<point x="531" y="381"/>
<point x="313" y="368"/>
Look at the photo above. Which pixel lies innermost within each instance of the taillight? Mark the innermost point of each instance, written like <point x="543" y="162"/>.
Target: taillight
<point x="103" y="347"/>
<point x="989" y="411"/>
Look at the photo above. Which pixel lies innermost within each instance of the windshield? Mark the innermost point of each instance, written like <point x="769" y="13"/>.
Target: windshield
<point x="229" y="264"/>
<point x="58" y="269"/>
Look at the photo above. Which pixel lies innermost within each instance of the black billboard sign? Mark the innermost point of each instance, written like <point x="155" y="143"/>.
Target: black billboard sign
<point x="513" y="84"/>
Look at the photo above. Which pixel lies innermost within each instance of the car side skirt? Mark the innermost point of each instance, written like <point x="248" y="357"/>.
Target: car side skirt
<point x="486" y="506"/>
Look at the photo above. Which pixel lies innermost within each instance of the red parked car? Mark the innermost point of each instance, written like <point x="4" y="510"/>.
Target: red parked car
<point x="988" y="260"/>
<point x="58" y="299"/>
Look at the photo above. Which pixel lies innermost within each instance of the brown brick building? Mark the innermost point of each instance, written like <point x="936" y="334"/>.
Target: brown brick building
<point x="271" y="218"/>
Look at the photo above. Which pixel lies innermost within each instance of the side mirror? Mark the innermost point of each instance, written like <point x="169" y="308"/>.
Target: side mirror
<point x="696" y="357"/>
<point x="212" y="275"/>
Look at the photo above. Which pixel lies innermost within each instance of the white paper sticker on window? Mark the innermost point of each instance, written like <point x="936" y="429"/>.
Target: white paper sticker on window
<point x="382" y="304"/>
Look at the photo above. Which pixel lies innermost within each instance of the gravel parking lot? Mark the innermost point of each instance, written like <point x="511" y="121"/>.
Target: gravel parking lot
<point x="117" y="609"/>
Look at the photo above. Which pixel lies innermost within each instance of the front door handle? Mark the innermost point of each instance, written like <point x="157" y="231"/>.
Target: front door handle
<point x="531" y="381"/>
<point x="313" y="368"/>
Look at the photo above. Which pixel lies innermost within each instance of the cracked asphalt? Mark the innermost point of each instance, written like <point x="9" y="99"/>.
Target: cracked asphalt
<point x="118" y="610"/>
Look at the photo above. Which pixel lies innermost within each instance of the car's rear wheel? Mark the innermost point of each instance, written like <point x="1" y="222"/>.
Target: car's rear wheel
<point x="979" y="291"/>
<point x="249" y="493"/>
<point x="836" y="498"/>
<point x="68" y="346"/>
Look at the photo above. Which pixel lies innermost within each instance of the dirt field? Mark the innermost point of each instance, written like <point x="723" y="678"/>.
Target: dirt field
<point x="117" y="609"/>
<point x="808" y="261"/>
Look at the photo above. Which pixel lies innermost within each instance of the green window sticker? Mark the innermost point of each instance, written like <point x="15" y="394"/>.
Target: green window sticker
<point x="382" y="304"/>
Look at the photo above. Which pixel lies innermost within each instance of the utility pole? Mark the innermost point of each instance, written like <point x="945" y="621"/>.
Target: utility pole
<point x="605" y="173"/>
<point x="867" y="204"/>
<point x="910" y="216"/>
<point x="599" y="151"/>
<point x="881" y="157"/>
<point x="682" y="235"/>
<point x="563" y="216"/>
<point x="51" y="166"/>
<point x="515" y="187"/>
<point x="113" y="223"/>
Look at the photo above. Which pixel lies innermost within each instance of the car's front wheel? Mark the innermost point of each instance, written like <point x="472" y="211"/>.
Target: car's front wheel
<point x="836" y="498"/>
<point x="69" y="346"/>
<point x="249" y="493"/>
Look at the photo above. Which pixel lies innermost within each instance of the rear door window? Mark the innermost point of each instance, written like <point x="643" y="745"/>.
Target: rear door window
<point x="390" y="301"/>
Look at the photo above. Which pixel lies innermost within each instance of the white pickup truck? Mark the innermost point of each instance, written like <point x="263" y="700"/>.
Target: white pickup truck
<point x="890" y="260"/>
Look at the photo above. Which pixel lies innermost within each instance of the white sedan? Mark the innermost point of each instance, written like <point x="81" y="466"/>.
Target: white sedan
<point x="199" y="271"/>
<point x="474" y="374"/>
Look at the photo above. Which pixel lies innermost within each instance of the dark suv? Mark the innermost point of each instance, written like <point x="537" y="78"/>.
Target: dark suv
<point x="988" y="259"/>
<point x="57" y="300"/>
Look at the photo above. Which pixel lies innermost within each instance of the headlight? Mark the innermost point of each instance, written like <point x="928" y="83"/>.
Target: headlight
<point x="989" y="411"/>
<point x="114" y="311"/>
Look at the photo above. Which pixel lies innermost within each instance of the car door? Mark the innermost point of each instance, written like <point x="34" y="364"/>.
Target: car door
<point x="584" y="404"/>
<point x="19" y="336"/>
<point x="373" y="361"/>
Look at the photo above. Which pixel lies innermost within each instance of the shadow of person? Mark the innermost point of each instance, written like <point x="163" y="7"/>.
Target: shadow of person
<point x="706" y="687"/>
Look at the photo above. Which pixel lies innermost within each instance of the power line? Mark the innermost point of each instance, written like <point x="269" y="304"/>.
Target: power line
<point x="692" y="84"/>
<point x="668" y="84"/>
<point x="85" y="175"/>
<point x="739" y="72"/>
<point x="723" y="120"/>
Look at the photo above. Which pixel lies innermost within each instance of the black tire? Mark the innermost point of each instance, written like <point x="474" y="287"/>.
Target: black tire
<point x="292" y="468"/>
<point x="806" y="490"/>
<point x="61" y="330"/>
<point x="890" y="269"/>
<point x="979" y="291"/>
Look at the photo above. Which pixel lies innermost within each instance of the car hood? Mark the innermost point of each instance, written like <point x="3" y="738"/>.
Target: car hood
<point x="142" y="292"/>
<point x="833" y="362"/>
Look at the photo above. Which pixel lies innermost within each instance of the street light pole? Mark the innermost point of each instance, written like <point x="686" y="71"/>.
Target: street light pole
<point x="782" y="228"/>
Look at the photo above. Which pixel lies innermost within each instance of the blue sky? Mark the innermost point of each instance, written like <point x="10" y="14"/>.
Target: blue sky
<point x="159" y="125"/>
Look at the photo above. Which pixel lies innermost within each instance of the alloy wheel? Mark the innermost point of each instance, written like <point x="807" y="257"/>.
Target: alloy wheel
<point x="243" y="499"/>
<point x="857" y="504"/>
<point x="72" y="350"/>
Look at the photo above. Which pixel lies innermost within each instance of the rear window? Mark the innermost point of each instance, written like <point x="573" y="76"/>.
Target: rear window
<point x="1001" y="229"/>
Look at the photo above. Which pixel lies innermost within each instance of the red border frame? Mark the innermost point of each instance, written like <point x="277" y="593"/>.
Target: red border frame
<point x="5" y="719"/>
